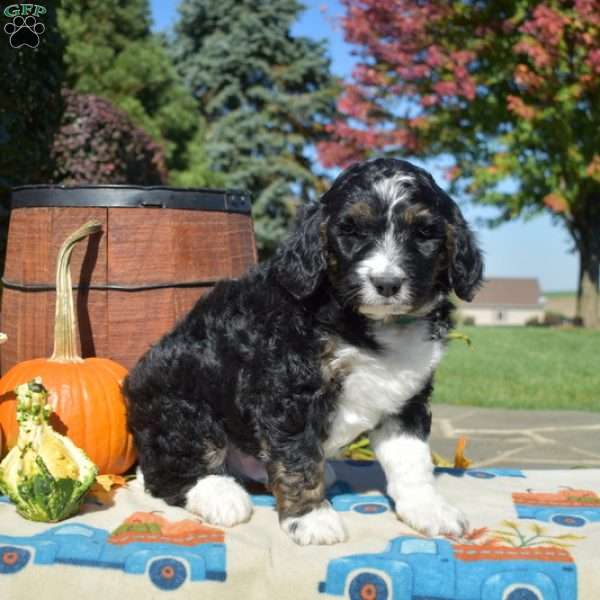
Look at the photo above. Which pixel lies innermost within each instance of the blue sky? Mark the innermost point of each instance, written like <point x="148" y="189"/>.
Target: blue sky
<point x="536" y="248"/>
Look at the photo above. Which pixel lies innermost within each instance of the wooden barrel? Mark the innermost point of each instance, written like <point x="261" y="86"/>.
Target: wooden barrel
<point x="160" y="249"/>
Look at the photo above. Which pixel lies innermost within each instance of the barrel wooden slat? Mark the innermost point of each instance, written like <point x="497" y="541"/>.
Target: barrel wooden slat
<point x="32" y="249"/>
<point x="34" y="235"/>
<point x="137" y="247"/>
<point x="205" y="247"/>
<point x="242" y="249"/>
<point x="131" y="337"/>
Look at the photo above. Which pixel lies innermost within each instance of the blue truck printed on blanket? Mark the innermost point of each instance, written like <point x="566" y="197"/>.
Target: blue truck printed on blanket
<point x="188" y="550"/>
<point x="568" y="507"/>
<point x="484" y="473"/>
<point x="366" y="504"/>
<point x="480" y="473"/>
<point x="342" y="500"/>
<point x="427" y="569"/>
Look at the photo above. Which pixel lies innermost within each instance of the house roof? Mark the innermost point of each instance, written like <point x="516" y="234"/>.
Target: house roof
<point x="508" y="291"/>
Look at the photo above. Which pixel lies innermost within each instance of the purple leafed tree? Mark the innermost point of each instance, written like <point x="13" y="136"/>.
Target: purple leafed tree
<point x="97" y="143"/>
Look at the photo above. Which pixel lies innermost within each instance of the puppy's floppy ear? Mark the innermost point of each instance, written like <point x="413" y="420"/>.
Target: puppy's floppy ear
<point x="466" y="261"/>
<point x="299" y="263"/>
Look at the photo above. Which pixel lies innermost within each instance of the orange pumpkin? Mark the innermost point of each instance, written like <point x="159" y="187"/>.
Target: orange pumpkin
<point x="85" y="395"/>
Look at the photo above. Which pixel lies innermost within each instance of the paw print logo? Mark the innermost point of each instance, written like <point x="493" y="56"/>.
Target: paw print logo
<point x="24" y="31"/>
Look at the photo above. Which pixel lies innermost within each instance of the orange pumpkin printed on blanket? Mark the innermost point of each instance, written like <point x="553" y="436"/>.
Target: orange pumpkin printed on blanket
<point x="169" y="552"/>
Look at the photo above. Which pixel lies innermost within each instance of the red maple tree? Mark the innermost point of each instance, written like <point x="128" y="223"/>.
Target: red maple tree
<point x="509" y="89"/>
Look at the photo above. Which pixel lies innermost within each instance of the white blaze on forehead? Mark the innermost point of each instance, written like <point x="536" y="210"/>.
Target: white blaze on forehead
<point x="385" y="260"/>
<point x="394" y="189"/>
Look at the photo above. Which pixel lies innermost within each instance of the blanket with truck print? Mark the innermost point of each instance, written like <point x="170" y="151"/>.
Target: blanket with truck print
<point x="535" y="535"/>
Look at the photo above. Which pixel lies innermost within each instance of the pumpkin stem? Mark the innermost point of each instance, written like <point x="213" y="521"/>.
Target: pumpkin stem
<point x="65" y="324"/>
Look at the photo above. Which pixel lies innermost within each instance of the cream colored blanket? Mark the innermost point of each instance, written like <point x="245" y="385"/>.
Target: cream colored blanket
<point x="535" y="536"/>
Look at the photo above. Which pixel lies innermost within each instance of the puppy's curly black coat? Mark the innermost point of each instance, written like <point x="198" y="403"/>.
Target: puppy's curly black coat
<point x="253" y="365"/>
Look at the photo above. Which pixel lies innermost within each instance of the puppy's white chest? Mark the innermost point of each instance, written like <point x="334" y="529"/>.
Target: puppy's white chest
<point x="379" y="383"/>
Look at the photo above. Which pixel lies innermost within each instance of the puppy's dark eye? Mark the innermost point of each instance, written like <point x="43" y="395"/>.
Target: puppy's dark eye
<point x="427" y="232"/>
<point x="349" y="228"/>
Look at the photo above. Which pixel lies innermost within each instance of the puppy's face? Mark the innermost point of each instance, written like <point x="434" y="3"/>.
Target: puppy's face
<point x="387" y="239"/>
<point x="392" y="237"/>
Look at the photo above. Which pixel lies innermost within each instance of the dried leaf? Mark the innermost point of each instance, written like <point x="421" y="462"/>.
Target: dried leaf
<point x="103" y="490"/>
<point x="360" y="450"/>
<point x="106" y="482"/>
<point x="363" y="442"/>
<point x="460" y="460"/>
<point x="440" y="461"/>
<point x="457" y="335"/>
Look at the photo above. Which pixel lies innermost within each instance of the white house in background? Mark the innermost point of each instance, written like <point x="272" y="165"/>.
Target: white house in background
<point x="505" y="301"/>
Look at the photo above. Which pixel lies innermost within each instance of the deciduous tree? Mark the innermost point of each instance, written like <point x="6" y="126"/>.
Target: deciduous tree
<point x="99" y="143"/>
<point x="510" y="89"/>
<point x="111" y="52"/>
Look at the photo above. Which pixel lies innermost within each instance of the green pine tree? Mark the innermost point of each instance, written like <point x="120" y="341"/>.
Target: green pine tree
<point x="197" y="171"/>
<point x="111" y="52"/>
<point x="265" y="95"/>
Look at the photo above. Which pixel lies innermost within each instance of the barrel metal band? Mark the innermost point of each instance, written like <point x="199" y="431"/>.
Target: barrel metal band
<point x="45" y="287"/>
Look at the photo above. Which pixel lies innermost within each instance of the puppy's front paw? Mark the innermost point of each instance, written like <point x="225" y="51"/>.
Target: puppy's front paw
<point x="431" y="515"/>
<point x="219" y="500"/>
<point x="319" y="526"/>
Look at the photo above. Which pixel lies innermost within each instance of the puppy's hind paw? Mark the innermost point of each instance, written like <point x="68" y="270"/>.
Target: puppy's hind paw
<point x="219" y="500"/>
<point x="432" y="516"/>
<point x="319" y="526"/>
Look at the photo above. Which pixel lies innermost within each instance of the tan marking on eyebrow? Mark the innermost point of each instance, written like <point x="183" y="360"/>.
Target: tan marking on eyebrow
<point x="361" y="210"/>
<point x="412" y="213"/>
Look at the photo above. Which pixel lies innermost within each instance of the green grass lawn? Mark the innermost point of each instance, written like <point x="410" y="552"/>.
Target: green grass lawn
<point x="572" y="295"/>
<point x="522" y="367"/>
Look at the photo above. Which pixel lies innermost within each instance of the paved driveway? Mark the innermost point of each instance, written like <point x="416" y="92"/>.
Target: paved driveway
<point x="527" y="439"/>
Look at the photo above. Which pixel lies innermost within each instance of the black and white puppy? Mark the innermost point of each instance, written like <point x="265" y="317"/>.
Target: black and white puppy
<point x="338" y="334"/>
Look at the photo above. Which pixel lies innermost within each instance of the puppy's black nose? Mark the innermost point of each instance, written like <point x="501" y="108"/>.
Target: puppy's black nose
<point x="387" y="286"/>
